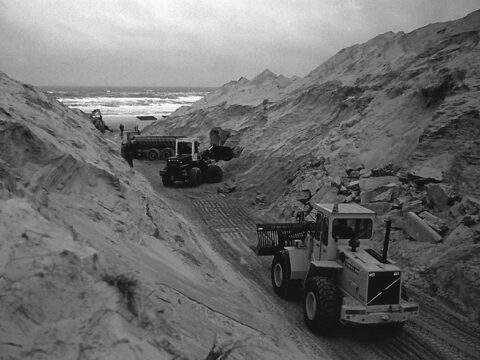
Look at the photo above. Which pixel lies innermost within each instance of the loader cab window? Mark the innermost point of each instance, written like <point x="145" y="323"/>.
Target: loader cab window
<point x="321" y="228"/>
<point x="184" y="148"/>
<point x="318" y="226"/>
<point x="352" y="228"/>
<point x="324" y="236"/>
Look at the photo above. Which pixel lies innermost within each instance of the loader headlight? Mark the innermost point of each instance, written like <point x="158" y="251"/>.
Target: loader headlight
<point x="372" y="274"/>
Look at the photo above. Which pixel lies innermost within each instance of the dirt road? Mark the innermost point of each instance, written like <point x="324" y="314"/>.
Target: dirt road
<point x="437" y="333"/>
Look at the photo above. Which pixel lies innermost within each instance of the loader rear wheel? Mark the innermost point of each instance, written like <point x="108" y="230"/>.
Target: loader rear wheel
<point x="214" y="174"/>
<point x="282" y="283"/>
<point x="321" y="305"/>
<point x="195" y="176"/>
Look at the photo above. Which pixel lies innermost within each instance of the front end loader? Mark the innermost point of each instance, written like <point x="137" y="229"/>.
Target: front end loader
<point x="343" y="279"/>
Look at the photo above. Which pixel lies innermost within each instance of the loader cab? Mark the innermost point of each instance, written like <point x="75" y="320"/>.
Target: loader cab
<point x="341" y="224"/>
<point x="187" y="148"/>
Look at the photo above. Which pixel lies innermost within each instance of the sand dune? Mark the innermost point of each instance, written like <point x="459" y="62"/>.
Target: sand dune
<point x="409" y="100"/>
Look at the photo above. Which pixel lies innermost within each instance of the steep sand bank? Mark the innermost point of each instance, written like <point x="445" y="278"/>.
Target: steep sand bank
<point x="94" y="263"/>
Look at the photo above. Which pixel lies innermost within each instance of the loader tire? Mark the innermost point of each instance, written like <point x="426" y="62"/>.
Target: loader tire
<point x="195" y="176"/>
<point x="167" y="180"/>
<point x="281" y="272"/>
<point x="321" y="306"/>
<point x="214" y="174"/>
<point x="394" y="327"/>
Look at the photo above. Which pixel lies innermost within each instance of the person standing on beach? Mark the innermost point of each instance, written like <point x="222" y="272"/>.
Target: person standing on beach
<point x="121" y="131"/>
<point x="130" y="150"/>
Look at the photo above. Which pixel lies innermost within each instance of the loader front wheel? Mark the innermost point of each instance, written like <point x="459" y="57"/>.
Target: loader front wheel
<point x="167" y="180"/>
<point x="195" y="176"/>
<point x="321" y="305"/>
<point x="282" y="283"/>
<point x="214" y="174"/>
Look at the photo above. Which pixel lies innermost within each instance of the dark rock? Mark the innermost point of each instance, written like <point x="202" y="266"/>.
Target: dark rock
<point x="470" y="205"/>
<point x="353" y="185"/>
<point x="373" y="183"/>
<point x="303" y="196"/>
<point x="336" y="181"/>
<point x="260" y="198"/>
<point x="364" y="173"/>
<point x="387" y="170"/>
<point x="385" y="196"/>
<point x="415" y="206"/>
<point x="470" y="220"/>
<point x="379" y="189"/>
<point x="318" y="162"/>
<point x="311" y="186"/>
<point x="327" y="194"/>
<point x="425" y="174"/>
<point x="417" y="229"/>
<point x="402" y="176"/>
<point x="354" y="174"/>
<point x="461" y="235"/>
<point x="227" y="187"/>
<point x="440" y="196"/>
<point x="437" y="224"/>
<point x="344" y="191"/>
<point x="380" y="208"/>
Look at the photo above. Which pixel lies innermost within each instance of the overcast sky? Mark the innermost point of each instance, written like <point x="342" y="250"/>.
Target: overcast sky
<point x="194" y="42"/>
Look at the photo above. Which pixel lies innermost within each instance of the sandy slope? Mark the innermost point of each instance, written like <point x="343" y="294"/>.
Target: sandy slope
<point x="76" y="229"/>
<point x="410" y="100"/>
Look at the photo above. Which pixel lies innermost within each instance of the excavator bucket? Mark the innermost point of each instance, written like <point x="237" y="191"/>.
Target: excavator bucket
<point x="274" y="237"/>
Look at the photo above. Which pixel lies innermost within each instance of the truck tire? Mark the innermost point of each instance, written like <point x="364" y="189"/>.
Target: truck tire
<point x="152" y="154"/>
<point x="214" y="174"/>
<point x="281" y="273"/>
<point x="195" y="176"/>
<point x="166" y="153"/>
<point x="167" y="180"/>
<point x="321" y="305"/>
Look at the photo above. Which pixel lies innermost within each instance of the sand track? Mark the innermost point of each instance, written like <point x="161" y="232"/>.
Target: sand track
<point x="438" y="333"/>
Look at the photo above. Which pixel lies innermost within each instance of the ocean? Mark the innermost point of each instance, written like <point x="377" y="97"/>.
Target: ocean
<point x="124" y="104"/>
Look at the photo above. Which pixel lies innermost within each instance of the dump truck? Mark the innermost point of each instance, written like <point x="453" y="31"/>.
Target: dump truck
<point x="342" y="279"/>
<point x="190" y="166"/>
<point x="152" y="147"/>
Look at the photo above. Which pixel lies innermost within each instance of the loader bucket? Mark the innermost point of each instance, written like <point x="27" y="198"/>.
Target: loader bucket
<point x="218" y="153"/>
<point x="274" y="237"/>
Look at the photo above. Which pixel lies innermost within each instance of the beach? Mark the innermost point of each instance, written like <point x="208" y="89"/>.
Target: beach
<point x="122" y="105"/>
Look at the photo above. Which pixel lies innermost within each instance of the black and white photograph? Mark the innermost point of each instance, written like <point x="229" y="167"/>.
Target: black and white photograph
<point x="239" y="180"/>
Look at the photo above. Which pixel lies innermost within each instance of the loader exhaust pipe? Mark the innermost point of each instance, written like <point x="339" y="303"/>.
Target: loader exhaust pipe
<point x="387" y="241"/>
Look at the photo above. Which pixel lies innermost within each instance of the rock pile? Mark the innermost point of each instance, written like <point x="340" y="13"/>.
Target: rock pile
<point x="426" y="207"/>
<point x="440" y="224"/>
